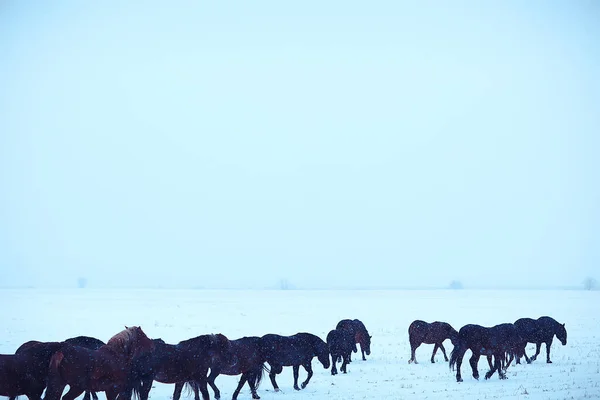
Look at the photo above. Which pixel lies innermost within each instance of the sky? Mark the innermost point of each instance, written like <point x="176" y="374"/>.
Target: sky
<point x="330" y="144"/>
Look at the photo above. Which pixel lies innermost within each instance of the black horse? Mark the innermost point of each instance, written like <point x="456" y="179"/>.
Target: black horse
<point x="539" y="331"/>
<point x="296" y="350"/>
<point x="361" y="336"/>
<point x="494" y="341"/>
<point x="341" y="344"/>
<point x="247" y="360"/>
<point x="430" y="333"/>
<point x="185" y="362"/>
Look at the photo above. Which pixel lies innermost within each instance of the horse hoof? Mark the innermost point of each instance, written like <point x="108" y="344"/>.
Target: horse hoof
<point x="549" y="362"/>
<point x="296" y="387"/>
<point x="432" y="361"/>
<point x="459" y="380"/>
<point x="277" y="390"/>
<point x="303" y="385"/>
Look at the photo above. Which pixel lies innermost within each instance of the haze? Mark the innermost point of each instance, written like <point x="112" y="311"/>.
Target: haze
<point x="337" y="144"/>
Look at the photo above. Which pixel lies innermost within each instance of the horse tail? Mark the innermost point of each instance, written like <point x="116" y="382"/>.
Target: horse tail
<point x="191" y="387"/>
<point x="457" y="352"/>
<point x="257" y="375"/>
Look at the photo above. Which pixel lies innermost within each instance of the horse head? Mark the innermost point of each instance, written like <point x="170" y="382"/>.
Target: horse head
<point x="561" y="334"/>
<point x="221" y="351"/>
<point x="322" y="352"/>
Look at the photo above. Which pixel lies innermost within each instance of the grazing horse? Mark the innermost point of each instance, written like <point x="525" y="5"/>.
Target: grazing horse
<point x="246" y="360"/>
<point x="106" y="369"/>
<point x="360" y="333"/>
<point x="494" y="341"/>
<point x="185" y="362"/>
<point x="430" y="333"/>
<point x="25" y="372"/>
<point x="539" y="331"/>
<point x="341" y="344"/>
<point x="295" y="350"/>
<point x="44" y="350"/>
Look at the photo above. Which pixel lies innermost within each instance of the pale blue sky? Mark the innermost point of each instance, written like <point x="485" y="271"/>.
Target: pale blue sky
<point x="402" y="143"/>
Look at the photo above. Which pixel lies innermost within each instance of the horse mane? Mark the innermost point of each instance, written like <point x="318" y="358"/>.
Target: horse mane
<point x="122" y="340"/>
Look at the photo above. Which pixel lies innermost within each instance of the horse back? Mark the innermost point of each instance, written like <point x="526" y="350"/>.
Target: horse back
<point x="86" y="341"/>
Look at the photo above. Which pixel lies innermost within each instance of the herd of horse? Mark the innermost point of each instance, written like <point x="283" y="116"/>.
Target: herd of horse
<point x="501" y="343"/>
<point x="130" y="361"/>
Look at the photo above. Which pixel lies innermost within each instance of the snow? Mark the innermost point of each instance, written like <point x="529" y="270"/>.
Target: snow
<point x="174" y="315"/>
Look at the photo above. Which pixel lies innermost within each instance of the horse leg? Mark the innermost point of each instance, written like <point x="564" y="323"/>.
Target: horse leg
<point x="275" y="369"/>
<point x="345" y="358"/>
<point x="334" y="359"/>
<point x="308" y="367"/>
<point x="211" y="381"/>
<point x="493" y="367"/>
<point x="473" y="361"/>
<point x="237" y="390"/>
<point x="296" y="369"/>
<point x="86" y="396"/>
<point x="548" y="344"/>
<point x="202" y="384"/>
<point x="444" y="351"/>
<point x="435" y="347"/>
<point x="413" y="348"/>
<point x="178" y="389"/>
<point x="537" y="351"/>
<point x="459" y="361"/>
<point x="94" y="395"/>
<point x="145" y="386"/>
<point x="253" y="379"/>
<point x="489" y="358"/>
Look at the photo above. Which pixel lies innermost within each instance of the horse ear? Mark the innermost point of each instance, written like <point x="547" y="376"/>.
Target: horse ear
<point x="126" y="327"/>
<point x="563" y="325"/>
<point x="370" y="336"/>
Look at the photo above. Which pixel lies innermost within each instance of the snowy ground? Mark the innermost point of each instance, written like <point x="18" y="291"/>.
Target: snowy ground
<point x="174" y="315"/>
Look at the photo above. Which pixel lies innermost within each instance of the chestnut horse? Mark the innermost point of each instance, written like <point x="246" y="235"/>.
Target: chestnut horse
<point x="106" y="370"/>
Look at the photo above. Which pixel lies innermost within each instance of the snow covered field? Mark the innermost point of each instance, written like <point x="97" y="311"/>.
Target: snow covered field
<point x="174" y="315"/>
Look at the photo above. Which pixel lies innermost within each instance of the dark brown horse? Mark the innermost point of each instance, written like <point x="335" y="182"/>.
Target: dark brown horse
<point x="43" y="351"/>
<point x="247" y="360"/>
<point x="361" y="336"/>
<point x="25" y="373"/>
<point x="185" y="362"/>
<point x="495" y="341"/>
<point x="104" y="370"/>
<point x="295" y="350"/>
<point x="538" y="331"/>
<point x="341" y="344"/>
<point x="430" y="333"/>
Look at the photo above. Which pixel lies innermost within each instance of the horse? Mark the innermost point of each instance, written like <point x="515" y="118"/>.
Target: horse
<point x="185" y="362"/>
<point x="106" y="369"/>
<point x="539" y="331"/>
<point x="247" y="360"/>
<point x="340" y="344"/>
<point x="25" y="372"/>
<point x="44" y="351"/>
<point x="494" y="341"/>
<point x="430" y="333"/>
<point x="361" y="335"/>
<point x="295" y="350"/>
